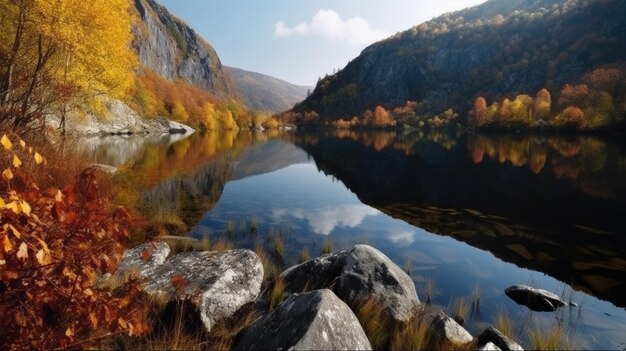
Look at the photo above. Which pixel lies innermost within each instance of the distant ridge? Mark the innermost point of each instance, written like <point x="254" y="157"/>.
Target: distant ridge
<point x="265" y="93"/>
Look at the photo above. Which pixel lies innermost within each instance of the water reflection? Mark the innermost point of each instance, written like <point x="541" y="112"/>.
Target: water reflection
<point x="549" y="203"/>
<point x="463" y="210"/>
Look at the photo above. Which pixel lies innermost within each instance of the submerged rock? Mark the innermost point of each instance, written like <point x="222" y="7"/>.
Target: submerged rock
<point x="218" y="284"/>
<point x="493" y="336"/>
<point x="447" y="329"/>
<point x="536" y="299"/>
<point x="316" y="320"/>
<point x="357" y="274"/>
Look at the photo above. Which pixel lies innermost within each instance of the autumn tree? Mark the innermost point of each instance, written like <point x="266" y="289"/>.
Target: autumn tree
<point x="382" y="118"/>
<point x="58" y="54"/>
<point x="478" y="115"/>
<point x="179" y="113"/>
<point x="227" y="121"/>
<point x="210" y="116"/>
<point x="542" y="104"/>
<point x="571" y="117"/>
<point x="521" y="109"/>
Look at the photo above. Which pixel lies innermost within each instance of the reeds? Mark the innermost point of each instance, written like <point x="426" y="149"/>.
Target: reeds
<point x="552" y="338"/>
<point x="327" y="247"/>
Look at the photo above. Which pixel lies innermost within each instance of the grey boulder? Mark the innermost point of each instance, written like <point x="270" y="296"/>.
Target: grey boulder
<point x="357" y="274"/>
<point x="448" y="330"/>
<point x="218" y="284"/>
<point x="493" y="336"/>
<point x="317" y="320"/>
<point x="142" y="260"/>
<point x="536" y="299"/>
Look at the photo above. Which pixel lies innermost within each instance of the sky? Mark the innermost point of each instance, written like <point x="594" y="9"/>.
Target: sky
<point x="301" y="41"/>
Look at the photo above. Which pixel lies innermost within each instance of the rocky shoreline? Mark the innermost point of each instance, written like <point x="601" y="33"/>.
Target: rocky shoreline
<point x="320" y="296"/>
<point x="120" y="119"/>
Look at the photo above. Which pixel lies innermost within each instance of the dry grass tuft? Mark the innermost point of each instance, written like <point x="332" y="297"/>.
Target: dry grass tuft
<point x="375" y="323"/>
<point x="304" y="255"/>
<point x="459" y="310"/>
<point x="554" y="338"/>
<point x="414" y="335"/>
<point x="277" y="293"/>
<point x="504" y="324"/>
<point x="223" y="244"/>
<point x="327" y="247"/>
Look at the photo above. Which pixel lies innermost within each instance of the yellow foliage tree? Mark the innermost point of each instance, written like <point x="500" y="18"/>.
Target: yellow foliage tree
<point x="210" y="116"/>
<point x="227" y="121"/>
<point x="64" y="51"/>
<point x="179" y="113"/>
<point x="542" y="104"/>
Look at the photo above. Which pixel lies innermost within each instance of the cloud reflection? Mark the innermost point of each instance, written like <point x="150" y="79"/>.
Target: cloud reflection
<point x="406" y="237"/>
<point x="324" y="220"/>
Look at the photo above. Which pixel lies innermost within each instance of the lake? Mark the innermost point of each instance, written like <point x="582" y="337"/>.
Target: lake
<point x="460" y="212"/>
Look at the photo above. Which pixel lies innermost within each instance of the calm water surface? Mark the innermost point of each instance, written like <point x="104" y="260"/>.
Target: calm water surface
<point x="457" y="211"/>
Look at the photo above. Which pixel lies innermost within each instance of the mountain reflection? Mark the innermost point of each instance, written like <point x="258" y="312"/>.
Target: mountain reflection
<point x="550" y="203"/>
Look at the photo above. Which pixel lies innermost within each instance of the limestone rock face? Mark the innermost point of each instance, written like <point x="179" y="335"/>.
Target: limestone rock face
<point x="171" y="48"/>
<point x="120" y="120"/>
<point x="359" y="273"/>
<point x="317" y="320"/>
<point x="535" y="299"/>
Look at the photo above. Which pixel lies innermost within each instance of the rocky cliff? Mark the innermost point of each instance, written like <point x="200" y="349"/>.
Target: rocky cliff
<point x="171" y="48"/>
<point x="264" y="93"/>
<point x="497" y="49"/>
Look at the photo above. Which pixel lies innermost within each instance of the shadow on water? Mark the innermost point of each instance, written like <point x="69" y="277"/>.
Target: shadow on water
<point x="549" y="203"/>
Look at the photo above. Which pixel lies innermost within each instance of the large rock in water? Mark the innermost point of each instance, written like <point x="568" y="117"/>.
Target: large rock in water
<point x="536" y="299"/>
<point x="360" y="273"/>
<point x="316" y="320"/>
<point x="217" y="283"/>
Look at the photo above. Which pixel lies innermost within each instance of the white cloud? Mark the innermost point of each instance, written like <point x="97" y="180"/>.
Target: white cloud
<point x="330" y="26"/>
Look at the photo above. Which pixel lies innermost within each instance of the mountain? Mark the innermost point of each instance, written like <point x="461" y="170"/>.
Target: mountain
<point x="169" y="47"/>
<point x="496" y="50"/>
<point x="264" y="93"/>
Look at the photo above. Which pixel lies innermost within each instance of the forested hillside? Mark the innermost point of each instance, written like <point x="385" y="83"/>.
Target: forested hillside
<point x="570" y="50"/>
<point x="261" y="92"/>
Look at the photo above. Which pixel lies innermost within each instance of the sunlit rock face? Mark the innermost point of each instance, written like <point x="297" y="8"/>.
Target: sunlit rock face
<point x="356" y="275"/>
<point x="171" y="48"/>
<point x="316" y="320"/>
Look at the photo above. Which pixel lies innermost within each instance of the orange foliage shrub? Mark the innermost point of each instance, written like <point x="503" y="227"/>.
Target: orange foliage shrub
<point x="54" y="245"/>
<point x="183" y="102"/>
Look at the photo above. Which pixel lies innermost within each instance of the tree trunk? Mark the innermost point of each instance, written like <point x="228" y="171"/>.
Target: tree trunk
<point x="7" y="80"/>
<point x="42" y="59"/>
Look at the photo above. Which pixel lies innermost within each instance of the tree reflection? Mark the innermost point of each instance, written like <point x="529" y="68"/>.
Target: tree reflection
<point x="539" y="201"/>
